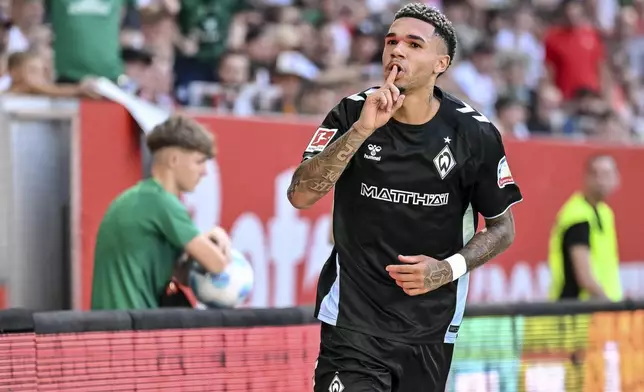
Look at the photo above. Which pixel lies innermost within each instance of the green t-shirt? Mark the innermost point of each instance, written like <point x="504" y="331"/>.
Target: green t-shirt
<point x="86" y="38"/>
<point x="210" y="19"/>
<point x="143" y="233"/>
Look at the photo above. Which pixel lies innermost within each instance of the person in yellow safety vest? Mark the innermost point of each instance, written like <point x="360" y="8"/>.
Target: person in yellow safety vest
<point x="583" y="255"/>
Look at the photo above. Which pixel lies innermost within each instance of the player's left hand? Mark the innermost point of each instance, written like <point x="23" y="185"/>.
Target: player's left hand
<point x="420" y="274"/>
<point x="222" y="239"/>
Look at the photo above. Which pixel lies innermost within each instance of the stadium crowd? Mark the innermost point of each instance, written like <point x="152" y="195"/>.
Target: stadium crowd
<point x="573" y="68"/>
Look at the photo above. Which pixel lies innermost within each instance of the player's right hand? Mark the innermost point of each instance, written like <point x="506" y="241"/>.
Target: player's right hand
<point x="380" y="106"/>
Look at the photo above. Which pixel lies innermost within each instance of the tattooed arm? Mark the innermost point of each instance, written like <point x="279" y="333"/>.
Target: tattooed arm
<point x="421" y="274"/>
<point x="315" y="177"/>
<point x="497" y="237"/>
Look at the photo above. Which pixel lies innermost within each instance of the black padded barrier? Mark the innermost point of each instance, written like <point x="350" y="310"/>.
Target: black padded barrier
<point x="24" y="320"/>
<point x="214" y="318"/>
<point x="149" y="320"/>
<point x="69" y="321"/>
<point x="16" y="320"/>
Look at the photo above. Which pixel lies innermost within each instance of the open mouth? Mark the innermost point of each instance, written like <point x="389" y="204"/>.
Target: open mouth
<point x="400" y="69"/>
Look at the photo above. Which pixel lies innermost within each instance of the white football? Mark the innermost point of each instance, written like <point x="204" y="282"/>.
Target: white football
<point x="228" y="289"/>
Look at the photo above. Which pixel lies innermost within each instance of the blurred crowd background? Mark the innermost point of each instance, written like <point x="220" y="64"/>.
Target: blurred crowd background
<point x="572" y="69"/>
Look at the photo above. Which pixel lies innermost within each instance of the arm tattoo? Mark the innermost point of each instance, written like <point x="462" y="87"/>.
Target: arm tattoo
<point x="319" y="174"/>
<point x="437" y="275"/>
<point x="490" y="243"/>
<point x="483" y="247"/>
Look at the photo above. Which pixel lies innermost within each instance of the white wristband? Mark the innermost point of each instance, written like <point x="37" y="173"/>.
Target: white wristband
<point x="458" y="264"/>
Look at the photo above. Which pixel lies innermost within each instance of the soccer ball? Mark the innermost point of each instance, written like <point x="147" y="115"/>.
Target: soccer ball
<point x="228" y="289"/>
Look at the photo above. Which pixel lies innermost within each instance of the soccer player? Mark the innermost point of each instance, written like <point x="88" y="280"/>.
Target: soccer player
<point x="147" y="228"/>
<point x="412" y="167"/>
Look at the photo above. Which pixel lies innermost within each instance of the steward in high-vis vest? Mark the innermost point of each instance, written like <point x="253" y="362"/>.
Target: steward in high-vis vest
<point x="583" y="254"/>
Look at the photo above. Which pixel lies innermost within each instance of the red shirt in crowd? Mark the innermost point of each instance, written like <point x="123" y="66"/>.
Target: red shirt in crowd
<point x="575" y="55"/>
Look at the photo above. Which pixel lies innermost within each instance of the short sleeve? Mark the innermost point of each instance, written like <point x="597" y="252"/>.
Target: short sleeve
<point x="174" y="222"/>
<point x="335" y="124"/>
<point x="494" y="189"/>
<point x="577" y="234"/>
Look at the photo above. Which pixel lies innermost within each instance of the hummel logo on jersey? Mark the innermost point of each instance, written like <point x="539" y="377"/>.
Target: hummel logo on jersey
<point x="444" y="162"/>
<point x="336" y="384"/>
<point x="405" y="197"/>
<point x="373" y="152"/>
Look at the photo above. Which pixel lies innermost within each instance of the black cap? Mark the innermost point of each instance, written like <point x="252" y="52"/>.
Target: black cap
<point x="134" y="55"/>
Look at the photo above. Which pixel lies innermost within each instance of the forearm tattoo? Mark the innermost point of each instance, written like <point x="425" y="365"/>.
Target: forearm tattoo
<point x="486" y="245"/>
<point x="320" y="173"/>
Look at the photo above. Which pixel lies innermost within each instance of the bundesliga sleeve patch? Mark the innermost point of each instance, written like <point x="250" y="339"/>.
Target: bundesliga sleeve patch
<point x="503" y="174"/>
<point x="320" y="139"/>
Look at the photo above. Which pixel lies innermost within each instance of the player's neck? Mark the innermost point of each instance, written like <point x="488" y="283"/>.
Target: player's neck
<point x="591" y="198"/>
<point x="419" y="107"/>
<point x="166" y="179"/>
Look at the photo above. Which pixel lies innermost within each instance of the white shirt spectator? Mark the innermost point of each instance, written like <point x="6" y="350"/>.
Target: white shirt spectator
<point x="525" y="43"/>
<point x="480" y="88"/>
<point x="17" y="42"/>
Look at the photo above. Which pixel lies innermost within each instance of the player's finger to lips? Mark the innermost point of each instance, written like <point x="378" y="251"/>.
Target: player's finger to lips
<point x="392" y="74"/>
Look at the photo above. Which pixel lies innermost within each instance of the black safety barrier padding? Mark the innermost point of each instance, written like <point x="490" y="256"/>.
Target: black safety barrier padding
<point x="570" y="307"/>
<point x="69" y="321"/>
<point x="217" y="318"/>
<point x="154" y="319"/>
<point x="264" y="317"/>
<point x="16" y="320"/>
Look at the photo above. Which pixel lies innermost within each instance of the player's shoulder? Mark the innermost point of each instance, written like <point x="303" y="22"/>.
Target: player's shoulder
<point x="468" y="122"/>
<point x="356" y="101"/>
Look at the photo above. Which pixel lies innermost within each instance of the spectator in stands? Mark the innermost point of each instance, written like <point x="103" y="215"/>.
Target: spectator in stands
<point x="519" y="38"/>
<point x="156" y="87"/>
<point x="292" y="71"/>
<point x="611" y="129"/>
<point x="87" y="39"/>
<point x="317" y="99"/>
<point x="475" y="78"/>
<point x="575" y="53"/>
<point x="27" y="17"/>
<point x="29" y="75"/>
<point x="204" y="27"/>
<point x="586" y="108"/>
<point x="513" y="73"/>
<point x="147" y="228"/>
<point x="511" y="117"/>
<point x="136" y="64"/>
<point x="583" y="254"/>
<point x="546" y="115"/>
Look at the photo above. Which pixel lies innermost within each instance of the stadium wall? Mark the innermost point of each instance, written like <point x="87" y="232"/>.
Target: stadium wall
<point x="552" y="347"/>
<point x="245" y="192"/>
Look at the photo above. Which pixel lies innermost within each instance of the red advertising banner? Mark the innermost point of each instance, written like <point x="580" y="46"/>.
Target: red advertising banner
<point x="245" y="189"/>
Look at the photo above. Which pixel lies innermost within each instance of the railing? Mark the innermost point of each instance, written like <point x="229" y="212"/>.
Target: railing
<point x="526" y="347"/>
